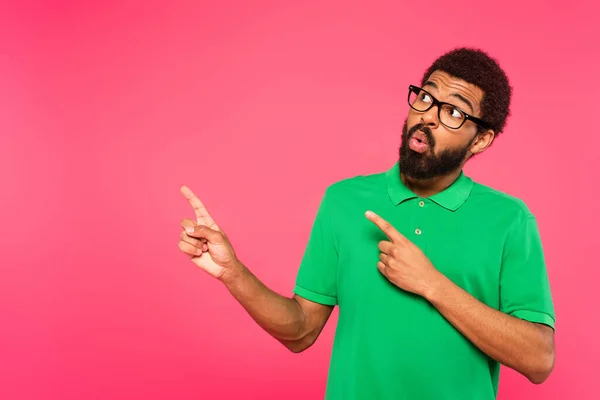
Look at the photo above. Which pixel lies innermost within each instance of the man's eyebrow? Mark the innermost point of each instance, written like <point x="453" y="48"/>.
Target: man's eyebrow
<point x="464" y="100"/>
<point x="457" y="95"/>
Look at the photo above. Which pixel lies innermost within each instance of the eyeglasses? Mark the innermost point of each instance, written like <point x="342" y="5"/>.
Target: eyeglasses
<point x="448" y="114"/>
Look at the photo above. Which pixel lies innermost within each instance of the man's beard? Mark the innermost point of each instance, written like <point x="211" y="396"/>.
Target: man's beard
<point x="428" y="165"/>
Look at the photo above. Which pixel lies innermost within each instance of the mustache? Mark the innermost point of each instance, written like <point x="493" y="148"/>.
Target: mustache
<point x="426" y="131"/>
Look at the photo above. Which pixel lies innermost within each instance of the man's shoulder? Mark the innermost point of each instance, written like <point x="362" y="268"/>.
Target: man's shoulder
<point x="500" y="200"/>
<point x="356" y="185"/>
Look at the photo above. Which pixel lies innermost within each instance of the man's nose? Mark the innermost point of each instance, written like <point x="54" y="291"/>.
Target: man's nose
<point x="430" y="117"/>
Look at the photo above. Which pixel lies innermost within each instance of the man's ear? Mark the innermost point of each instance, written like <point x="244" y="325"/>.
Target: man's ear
<point x="482" y="141"/>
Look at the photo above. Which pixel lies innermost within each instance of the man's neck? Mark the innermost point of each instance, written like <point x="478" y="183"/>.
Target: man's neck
<point x="430" y="187"/>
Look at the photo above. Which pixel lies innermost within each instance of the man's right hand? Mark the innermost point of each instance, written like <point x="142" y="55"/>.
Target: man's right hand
<point x="206" y="243"/>
<point x="295" y="322"/>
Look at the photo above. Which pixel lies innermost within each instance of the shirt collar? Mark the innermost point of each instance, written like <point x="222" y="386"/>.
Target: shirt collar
<point x="451" y="198"/>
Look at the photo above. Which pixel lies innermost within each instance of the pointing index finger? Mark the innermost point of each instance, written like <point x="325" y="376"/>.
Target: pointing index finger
<point x="202" y="215"/>
<point x="385" y="227"/>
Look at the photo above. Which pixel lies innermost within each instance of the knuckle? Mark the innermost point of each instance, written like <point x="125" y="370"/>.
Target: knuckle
<point x="188" y="239"/>
<point x="185" y="247"/>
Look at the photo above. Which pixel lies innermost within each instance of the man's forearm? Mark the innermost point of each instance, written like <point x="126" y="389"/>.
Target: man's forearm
<point x="282" y="317"/>
<point x="521" y="345"/>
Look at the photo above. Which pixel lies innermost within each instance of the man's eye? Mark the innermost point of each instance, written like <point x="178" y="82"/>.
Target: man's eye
<point x="454" y="113"/>
<point x="426" y="98"/>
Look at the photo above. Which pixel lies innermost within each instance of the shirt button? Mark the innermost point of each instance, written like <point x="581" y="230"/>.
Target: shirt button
<point x="421" y="203"/>
<point x="418" y="231"/>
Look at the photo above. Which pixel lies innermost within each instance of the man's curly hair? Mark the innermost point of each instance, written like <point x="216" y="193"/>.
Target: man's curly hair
<point x="478" y="68"/>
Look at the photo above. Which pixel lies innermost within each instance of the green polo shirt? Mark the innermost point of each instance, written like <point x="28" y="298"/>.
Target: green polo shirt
<point x="391" y="344"/>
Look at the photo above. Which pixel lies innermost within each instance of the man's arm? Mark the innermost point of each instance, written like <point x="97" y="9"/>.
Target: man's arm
<point x="295" y="322"/>
<point x="525" y="346"/>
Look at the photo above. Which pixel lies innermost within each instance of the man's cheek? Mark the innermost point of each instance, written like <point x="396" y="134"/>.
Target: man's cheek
<point x="412" y="119"/>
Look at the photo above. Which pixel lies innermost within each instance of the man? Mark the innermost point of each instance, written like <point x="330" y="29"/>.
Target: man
<point x="439" y="279"/>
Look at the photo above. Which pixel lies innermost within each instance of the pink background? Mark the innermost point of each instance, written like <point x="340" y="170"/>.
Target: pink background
<point x="107" y="109"/>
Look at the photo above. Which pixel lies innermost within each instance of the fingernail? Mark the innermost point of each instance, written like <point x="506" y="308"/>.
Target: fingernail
<point x="199" y="252"/>
<point x="189" y="230"/>
<point x="369" y="214"/>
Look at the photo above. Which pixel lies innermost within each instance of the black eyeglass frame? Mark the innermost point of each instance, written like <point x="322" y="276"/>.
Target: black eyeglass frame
<point x="439" y="104"/>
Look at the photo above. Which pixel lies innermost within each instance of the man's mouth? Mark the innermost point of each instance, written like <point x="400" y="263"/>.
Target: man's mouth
<point x="418" y="142"/>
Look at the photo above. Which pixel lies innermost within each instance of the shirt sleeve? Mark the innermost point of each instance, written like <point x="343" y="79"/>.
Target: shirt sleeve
<point x="524" y="284"/>
<point x="317" y="275"/>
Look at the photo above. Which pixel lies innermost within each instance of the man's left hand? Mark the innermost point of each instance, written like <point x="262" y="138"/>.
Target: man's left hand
<point x="403" y="263"/>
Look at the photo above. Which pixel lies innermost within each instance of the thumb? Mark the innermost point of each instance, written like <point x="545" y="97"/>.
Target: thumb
<point x="204" y="232"/>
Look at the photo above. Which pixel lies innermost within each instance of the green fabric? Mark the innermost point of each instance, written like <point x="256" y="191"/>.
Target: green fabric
<point x="390" y="344"/>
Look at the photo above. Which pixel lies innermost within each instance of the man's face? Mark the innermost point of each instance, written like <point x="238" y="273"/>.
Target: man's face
<point x="429" y="149"/>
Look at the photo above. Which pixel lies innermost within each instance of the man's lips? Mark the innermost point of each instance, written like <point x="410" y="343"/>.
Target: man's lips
<point x="420" y="136"/>
<point x="418" y="142"/>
